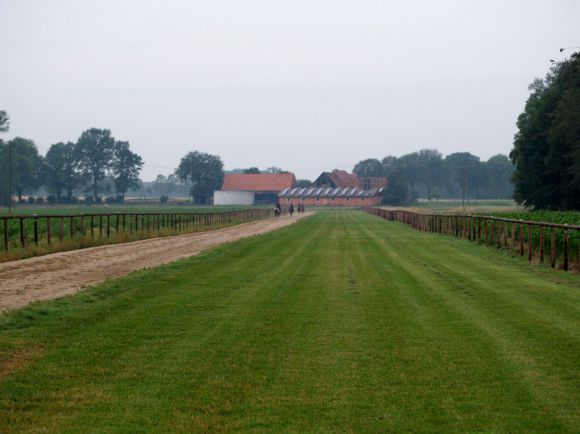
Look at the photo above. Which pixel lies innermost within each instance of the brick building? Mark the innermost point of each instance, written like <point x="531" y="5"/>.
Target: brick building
<point x="337" y="188"/>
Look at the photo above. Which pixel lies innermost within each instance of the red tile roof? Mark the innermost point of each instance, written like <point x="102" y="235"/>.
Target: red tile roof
<point x="343" y="179"/>
<point x="259" y="182"/>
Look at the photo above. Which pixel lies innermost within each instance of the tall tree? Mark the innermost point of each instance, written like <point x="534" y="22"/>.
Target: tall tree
<point x="409" y="166"/>
<point x="4" y="121"/>
<point x="252" y="170"/>
<point x="94" y="152"/>
<point x="368" y="168"/>
<point x="204" y="172"/>
<point x="464" y="169"/>
<point x="58" y="171"/>
<point x="25" y="165"/>
<point x="546" y="149"/>
<point x="5" y="196"/>
<point x="126" y="168"/>
<point x="389" y="163"/>
<point x="397" y="191"/>
<point x="430" y="170"/>
<point x="498" y="174"/>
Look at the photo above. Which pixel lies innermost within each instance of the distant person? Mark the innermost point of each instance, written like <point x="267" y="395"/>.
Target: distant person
<point x="291" y="209"/>
<point x="277" y="209"/>
<point x="302" y="209"/>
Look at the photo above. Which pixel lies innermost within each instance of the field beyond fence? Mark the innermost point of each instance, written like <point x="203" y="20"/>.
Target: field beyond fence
<point x="558" y="244"/>
<point x="31" y="235"/>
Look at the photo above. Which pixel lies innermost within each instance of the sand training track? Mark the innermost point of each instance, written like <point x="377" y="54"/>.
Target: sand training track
<point x="60" y="274"/>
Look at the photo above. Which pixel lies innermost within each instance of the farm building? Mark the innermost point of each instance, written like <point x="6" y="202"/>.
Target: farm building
<point x="253" y="188"/>
<point x="337" y="188"/>
<point x="327" y="196"/>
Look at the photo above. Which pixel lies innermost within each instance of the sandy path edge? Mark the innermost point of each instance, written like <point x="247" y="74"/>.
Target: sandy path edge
<point x="64" y="273"/>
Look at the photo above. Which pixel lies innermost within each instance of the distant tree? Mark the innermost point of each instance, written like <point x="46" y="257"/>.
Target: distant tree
<point x="4" y="196"/>
<point x="409" y="166"/>
<point x="546" y="149"/>
<point x="4" y="122"/>
<point x="58" y="171"/>
<point x="126" y="167"/>
<point x="4" y="127"/>
<point x="498" y="174"/>
<point x="389" y="163"/>
<point x="94" y="152"/>
<point x="204" y="172"/>
<point x="465" y="169"/>
<point x="430" y="170"/>
<point x="275" y="169"/>
<point x="252" y="170"/>
<point x="303" y="183"/>
<point x="397" y="192"/>
<point x="25" y="165"/>
<point x="370" y="167"/>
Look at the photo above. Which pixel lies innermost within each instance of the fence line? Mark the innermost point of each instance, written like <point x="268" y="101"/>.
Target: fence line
<point x="24" y="230"/>
<point x="521" y="236"/>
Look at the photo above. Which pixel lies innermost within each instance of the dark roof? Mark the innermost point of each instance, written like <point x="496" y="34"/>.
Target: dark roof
<point x="258" y="181"/>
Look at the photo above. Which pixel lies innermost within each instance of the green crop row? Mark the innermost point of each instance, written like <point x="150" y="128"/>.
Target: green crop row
<point x="558" y="217"/>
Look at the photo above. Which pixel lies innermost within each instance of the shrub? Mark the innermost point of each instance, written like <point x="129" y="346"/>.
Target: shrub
<point x="30" y="199"/>
<point x="164" y="198"/>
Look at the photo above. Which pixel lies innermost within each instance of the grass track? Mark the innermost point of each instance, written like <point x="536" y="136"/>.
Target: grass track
<point x="342" y="322"/>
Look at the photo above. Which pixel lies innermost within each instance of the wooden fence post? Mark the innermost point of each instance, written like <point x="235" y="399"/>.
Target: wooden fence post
<point x="565" y="250"/>
<point x="22" y="238"/>
<point x="521" y="239"/>
<point x="36" y="229"/>
<point x="542" y="243"/>
<point x="5" y="234"/>
<point x="552" y="247"/>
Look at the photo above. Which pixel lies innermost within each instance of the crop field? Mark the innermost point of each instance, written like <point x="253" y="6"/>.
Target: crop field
<point x="560" y="217"/>
<point x="340" y="322"/>
<point x="455" y="206"/>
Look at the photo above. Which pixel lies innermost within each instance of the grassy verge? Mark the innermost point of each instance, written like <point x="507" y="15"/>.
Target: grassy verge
<point x="85" y="241"/>
<point x="341" y="322"/>
<point x="25" y="209"/>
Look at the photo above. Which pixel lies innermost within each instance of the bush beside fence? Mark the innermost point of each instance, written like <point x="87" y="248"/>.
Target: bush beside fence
<point x="557" y="243"/>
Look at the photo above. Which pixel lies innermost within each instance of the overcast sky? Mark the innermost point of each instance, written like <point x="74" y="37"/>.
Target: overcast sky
<point x="306" y="85"/>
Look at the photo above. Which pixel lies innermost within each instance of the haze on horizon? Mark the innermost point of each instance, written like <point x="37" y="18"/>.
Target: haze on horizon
<point x="306" y="85"/>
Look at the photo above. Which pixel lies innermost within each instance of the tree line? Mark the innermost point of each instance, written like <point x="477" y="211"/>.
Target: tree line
<point x="546" y="149"/>
<point x="68" y="167"/>
<point x="428" y="174"/>
<point x="544" y="171"/>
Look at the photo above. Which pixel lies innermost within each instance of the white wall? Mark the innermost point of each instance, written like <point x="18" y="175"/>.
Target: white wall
<point x="233" y="197"/>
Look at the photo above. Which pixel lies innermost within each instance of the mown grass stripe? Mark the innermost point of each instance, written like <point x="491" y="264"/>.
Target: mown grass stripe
<point x="339" y="322"/>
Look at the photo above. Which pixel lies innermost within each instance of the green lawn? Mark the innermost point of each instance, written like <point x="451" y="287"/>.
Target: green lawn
<point x="341" y="322"/>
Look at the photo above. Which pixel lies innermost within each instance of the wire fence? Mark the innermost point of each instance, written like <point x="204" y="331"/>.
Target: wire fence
<point x="20" y="232"/>
<point x="542" y="241"/>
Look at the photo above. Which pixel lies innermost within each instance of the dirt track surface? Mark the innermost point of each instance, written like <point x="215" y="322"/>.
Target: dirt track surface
<point x="60" y="274"/>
